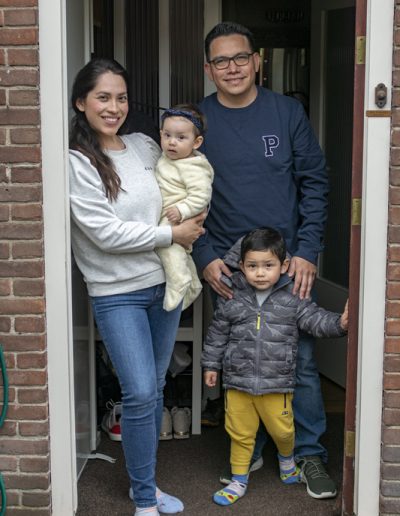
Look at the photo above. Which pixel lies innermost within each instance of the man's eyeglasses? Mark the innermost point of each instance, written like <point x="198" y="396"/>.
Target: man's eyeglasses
<point x="223" y="62"/>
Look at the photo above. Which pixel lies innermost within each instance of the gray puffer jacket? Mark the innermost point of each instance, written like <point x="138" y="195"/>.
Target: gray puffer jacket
<point x="257" y="346"/>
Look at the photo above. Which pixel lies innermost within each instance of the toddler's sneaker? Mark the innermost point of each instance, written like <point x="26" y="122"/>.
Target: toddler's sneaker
<point x="111" y="423"/>
<point x="166" y="426"/>
<point x="181" y="418"/>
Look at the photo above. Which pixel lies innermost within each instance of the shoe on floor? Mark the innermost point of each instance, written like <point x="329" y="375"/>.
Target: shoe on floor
<point x="166" y="426"/>
<point x="181" y="419"/>
<point x="313" y="473"/>
<point x="213" y="412"/>
<point x="111" y="423"/>
<point x="226" y="477"/>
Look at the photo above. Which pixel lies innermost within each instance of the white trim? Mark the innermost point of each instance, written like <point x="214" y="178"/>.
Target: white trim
<point x="54" y="131"/>
<point x="119" y="32"/>
<point x="373" y="262"/>
<point x="164" y="86"/>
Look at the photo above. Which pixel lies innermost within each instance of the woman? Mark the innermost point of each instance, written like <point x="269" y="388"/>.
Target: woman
<point x="115" y="209"/>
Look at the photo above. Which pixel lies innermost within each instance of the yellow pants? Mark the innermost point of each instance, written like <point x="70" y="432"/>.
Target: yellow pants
<point x="243" y="412"/>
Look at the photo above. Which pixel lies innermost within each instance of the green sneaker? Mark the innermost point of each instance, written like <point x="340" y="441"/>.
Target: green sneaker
<point x="313" y="473"/>
<point x="226" y="476"/>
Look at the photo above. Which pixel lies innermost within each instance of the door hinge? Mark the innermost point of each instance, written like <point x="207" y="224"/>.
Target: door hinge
<point x="350" y="443"/>
<point x="360" y="50"/>
<point x="356" y="211"/>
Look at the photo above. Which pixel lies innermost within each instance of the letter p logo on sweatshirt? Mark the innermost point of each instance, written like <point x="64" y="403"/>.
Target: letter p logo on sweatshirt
<point x="271" y="142"/>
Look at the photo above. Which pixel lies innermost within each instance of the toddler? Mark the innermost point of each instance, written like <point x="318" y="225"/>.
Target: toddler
<point x="185" y="177"/>
<point x="253" y="339"/>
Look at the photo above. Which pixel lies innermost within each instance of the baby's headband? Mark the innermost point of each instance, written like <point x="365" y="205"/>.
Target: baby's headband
<point x="186" y="114"/>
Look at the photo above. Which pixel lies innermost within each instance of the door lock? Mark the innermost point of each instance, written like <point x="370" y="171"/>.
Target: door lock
<point x="380" y="95"/>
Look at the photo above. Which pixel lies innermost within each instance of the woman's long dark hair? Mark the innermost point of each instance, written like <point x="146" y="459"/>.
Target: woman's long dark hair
<point x="82" y="137"/>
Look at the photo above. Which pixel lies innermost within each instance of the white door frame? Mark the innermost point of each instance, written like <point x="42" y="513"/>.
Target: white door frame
<point x="373" y="261"/>
<point x="54" y="101"/>
<point x="54" y="133"/>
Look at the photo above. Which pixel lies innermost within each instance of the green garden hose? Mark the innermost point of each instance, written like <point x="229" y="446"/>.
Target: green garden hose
<point x="2" y="418"/>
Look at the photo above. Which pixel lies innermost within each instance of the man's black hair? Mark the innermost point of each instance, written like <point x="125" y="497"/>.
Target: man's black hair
<point x="228" y="29"/>
<point x="264" y="239"/>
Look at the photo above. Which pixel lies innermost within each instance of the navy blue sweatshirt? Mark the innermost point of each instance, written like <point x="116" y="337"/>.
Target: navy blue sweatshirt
<point x="269" y="171"/>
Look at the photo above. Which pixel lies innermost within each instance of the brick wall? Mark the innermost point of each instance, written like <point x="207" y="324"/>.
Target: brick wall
<point x="390" y="466"/>
<point x="24" y="443"/>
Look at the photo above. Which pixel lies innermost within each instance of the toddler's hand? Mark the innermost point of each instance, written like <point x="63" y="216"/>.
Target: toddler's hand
<point x="173" y="215"/>
<point x="210" y="378"/>
<point x="344" y="320"/>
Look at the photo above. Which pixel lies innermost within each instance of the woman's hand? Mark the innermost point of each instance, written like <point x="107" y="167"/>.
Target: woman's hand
<point x="188" y="231"/>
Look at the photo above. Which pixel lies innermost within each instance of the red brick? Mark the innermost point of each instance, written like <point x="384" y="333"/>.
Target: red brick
<point x="393" y="272"/>
<point x="392" y="345"/>
<point x="21" y="482"/>
<point x="28" y="288"/>
<point x="393" y="290"/>
<point x="392" y="399"/>
<point x="29" y="212"/>
<point x="10" y="360"/>
<point x="394" y="194"/>
<point x="32" y="396"/>
<point x="8" y="463"/>
<point x="28" y="135"/>
<point x="33" y="249"/>
<point x="23" y="97"/>
<point x="16" y="343"/>
<point x="393" y="327"/>
<point x="394" y="253"/>
<point x="394" y="215"/>
<point x="392" y="363"/>
<point x="19" y="116"/>
<point x="24" y="447"/>
<point x="26" y="378"/>
<point x="395" y="156"/>
<point x="4" y="213"/>
<point x="34" y="464"/>
<point x="18" y="37"/>
<point x="5" y="287"/>
<point x="2" y="97"/>
<point x="9" y="428"/>
<point x="31" y="360"/>
<point x="11" y="394"/>
<point x="396" y="82"/>
<point x="21" y="306"/>
<point x="21" y="77"/>
<point x="20" y="17"/>
<point x="20" y="154"/>
<point x="2" y="57"/>
<point x="4" y="251"/>
<point x="391" y="435"/>
<point x="20" y="193"/>
<point x="5" y="324"/>
<point x="395" y="103"/>
<point x="391" y="381"/>
<point x="18" y="3"/>
<point x="34" y="429"/>
<point x="38" y="499"/>
<point x="26" y="175"/>
<point x="23" y="57"/>
<point x="3" y="135"/>
<point x="29" y="324"/>
<point x="393" y="309"/>
<point x="3" y="174"/>
<point x="391" y="417"/>
<point x="21" y="230"/>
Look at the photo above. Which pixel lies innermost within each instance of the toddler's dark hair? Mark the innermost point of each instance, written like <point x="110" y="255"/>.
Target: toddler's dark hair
<point x="264" y="239"/>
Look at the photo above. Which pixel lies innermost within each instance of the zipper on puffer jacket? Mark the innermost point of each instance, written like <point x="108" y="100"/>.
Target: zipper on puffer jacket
<point x="257" y="365"/>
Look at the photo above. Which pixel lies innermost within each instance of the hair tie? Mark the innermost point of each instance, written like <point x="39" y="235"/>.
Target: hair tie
<point x="186" y="114"/>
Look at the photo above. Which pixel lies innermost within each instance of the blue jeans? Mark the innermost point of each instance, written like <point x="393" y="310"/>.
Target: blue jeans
<point x="308" y="406"/>
<point x="139" y="337"/>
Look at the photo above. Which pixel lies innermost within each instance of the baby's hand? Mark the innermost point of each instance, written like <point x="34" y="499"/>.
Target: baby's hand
<point x="210" y="378"/>
<point x="173" y="215"/>
<point x="344" y="320"/>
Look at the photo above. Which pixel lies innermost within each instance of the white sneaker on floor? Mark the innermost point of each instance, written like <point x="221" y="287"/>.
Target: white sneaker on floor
<point x="111" y="423"/>
<point x="166" y="426"/>
<point x="181" y="419"/>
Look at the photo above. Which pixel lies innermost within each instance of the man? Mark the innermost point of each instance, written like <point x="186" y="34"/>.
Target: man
<point x="269" y="171"/>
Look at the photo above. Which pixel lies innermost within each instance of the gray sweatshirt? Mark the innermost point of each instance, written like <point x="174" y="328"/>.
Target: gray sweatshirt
<point x="113" y="241"/>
